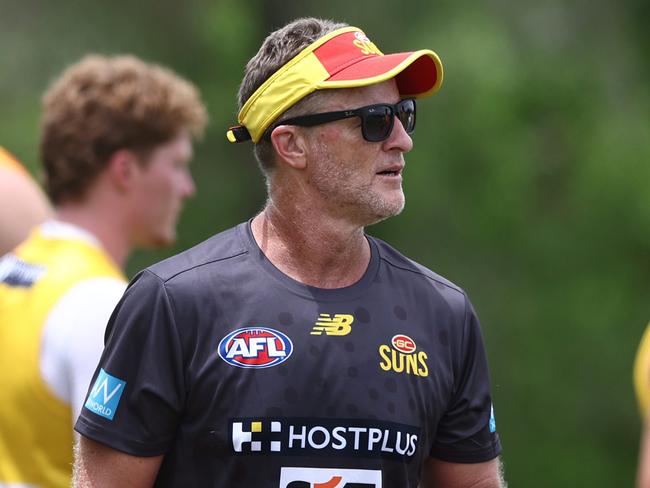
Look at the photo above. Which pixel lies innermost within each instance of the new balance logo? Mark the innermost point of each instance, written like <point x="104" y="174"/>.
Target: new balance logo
<point x="105" y="395"/>
<point x="339" y="325"/>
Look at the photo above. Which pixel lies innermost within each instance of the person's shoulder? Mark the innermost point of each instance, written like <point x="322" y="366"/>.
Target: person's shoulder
<point x="398" y="261"/>
<point x="218" y="249"/>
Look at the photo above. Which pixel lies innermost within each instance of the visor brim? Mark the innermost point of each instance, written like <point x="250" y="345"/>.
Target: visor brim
<point x="418" y="74"/>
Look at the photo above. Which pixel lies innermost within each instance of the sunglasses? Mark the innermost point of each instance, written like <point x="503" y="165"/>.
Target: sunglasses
<point x="377" y="121"/>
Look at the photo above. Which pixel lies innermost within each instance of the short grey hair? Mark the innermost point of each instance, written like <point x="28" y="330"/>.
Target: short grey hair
<point x="276" y="50"/>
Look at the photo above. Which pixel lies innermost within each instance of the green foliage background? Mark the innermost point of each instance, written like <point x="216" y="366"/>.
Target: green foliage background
<point x="527" y="184"/>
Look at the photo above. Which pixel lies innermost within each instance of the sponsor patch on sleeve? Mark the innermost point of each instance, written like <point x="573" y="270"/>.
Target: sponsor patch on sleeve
<point x="105" y="395"/>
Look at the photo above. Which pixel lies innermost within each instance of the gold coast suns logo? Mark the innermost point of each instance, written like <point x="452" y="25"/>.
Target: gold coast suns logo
<point x="401" y="357"/>
<point x="365" y="45"/>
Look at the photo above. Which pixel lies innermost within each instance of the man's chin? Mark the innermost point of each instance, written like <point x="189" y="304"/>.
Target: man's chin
<point x="160" y="241"/>
<point x="393" y="208"/>
<point x="385" y="212"/>
<point x="166" y="241"/>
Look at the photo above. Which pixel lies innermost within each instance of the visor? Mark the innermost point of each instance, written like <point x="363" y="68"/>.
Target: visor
<point x="345" y="58"/>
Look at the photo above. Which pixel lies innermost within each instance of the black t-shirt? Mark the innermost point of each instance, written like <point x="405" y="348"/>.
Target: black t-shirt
<point x="242" y="376"/>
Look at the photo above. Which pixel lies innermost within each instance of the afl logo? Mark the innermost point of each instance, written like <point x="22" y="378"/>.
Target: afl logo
<point x="403" y="343"/>
<point x="255" y="347"/>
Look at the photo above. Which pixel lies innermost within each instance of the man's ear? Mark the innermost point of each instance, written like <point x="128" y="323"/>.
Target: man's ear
<point x="290" y="145"/>
<point x="122" y="168"/>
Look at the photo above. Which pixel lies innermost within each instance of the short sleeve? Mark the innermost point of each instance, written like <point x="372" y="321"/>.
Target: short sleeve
<point x="137" y="391"/>
<point x="73" y="338"/>
<point x="466" y="432"/>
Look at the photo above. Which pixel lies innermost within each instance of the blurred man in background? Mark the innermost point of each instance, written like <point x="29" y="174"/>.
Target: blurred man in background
<point x="116" y="141"/>
<point x="294" y="350"/>
<point x="22" y="203"/>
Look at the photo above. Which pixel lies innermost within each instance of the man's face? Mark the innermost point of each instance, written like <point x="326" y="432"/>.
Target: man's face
<point x="359" y="180"/>
<point x="163" y="182"/>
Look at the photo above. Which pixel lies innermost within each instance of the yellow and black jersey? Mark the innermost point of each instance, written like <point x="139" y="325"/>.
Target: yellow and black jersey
<point x="35" y="425"/>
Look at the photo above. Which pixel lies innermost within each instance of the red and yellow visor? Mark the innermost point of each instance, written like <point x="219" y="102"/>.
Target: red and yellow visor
<point x="345" y="58"/>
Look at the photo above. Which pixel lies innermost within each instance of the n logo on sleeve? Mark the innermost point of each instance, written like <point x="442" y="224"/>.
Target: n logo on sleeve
<point x="105" y="395"/>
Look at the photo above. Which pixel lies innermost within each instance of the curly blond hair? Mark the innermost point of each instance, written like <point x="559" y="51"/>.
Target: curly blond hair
<point x="102" y="104"/>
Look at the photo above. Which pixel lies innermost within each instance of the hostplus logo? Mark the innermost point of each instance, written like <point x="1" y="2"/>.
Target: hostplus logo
<point x="323" y="437"/>
<point x="242" y="438"/>
<point x="339" y="325"/>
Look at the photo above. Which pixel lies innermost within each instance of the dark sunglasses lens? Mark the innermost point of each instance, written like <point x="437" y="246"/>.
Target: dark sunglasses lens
<point x="377" y="124"/>
<point x="406" y="115"/>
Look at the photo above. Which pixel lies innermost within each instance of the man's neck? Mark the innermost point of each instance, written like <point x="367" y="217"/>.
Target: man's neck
<point x="312" y="248"/>
<point x="105" y="226"/>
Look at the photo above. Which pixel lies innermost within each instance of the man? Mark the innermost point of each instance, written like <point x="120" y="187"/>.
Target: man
<point x="294" y="350"/>
<point x="115" y="143"/>
<point x="642" y="390"/>
<point x="22" y="203"/>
